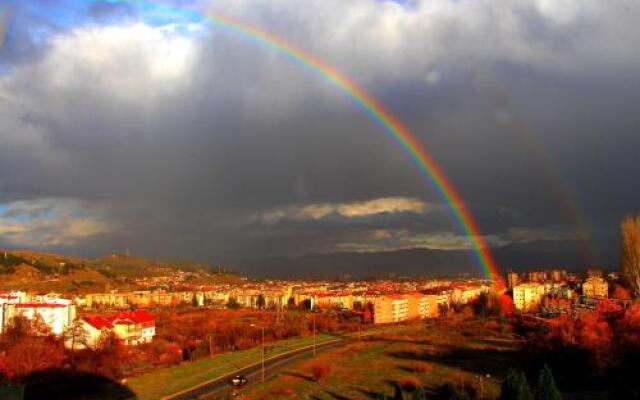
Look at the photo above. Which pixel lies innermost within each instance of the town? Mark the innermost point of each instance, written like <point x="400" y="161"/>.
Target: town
<point x="129" y="315"/>
<point x="159" y="315"/>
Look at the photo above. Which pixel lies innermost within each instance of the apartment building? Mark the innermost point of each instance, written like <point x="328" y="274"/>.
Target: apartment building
<point x="56" y="316"/>
<point x="422" y="306"/>
<point x="528" y="296"/>
<point x="595" y="286"/>
<point x="390" y="308"/>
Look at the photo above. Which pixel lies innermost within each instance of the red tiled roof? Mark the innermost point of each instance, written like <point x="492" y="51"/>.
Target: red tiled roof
<point x="123" y="318"/>
<point x="98" y="322"/>
<point x="39" y="305"/>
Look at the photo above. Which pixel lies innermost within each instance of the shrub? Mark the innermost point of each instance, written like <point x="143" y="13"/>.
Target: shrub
<point x="284" y="391"/>
<point x="410" y="383"/>
<point x="422" y="367"/>
<point x="320" y="371"/>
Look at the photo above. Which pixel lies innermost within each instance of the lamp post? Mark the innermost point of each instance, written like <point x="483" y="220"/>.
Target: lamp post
<point x="314" y="334"/>
<point x="481" y="378"/>
<point x="262" y="332"/>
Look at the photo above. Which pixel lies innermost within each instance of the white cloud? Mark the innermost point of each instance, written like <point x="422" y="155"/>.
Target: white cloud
<point x="402" y="239"/>
<point x="51" y="223"/>
<point x="385" y="40"/>
<point x="128" y="62"/>
<point x="357" y="209"/>
<point x="382" y="206"/>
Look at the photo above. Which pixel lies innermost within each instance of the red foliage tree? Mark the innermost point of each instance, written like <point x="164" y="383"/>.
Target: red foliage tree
<point x="621" y="293"/>
<point x="367" y="314"/>
<point x="320" y="371"/>
<point x="31" y="354"/>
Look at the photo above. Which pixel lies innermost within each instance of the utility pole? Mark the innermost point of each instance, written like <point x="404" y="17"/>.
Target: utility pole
<point x="314" y="334"/>
<point x="210" y="346"/>
<point x="481" y="378"/>
<point x="263" y="349"/>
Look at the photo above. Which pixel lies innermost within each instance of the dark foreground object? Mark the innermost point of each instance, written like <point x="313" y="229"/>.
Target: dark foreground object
<point x="68" y="385"/>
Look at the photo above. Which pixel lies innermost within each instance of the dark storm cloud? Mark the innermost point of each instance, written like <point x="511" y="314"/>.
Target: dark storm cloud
<point x="180" y="134"/>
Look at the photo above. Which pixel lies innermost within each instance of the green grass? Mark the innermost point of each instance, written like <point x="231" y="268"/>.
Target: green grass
<point x="368" y="368"/>
<point x="11" y="392"/>
<point x="167" y="381"/>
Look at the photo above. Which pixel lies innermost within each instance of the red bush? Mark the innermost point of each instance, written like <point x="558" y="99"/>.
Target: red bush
<point x="422" y="367"/>
<point x="410" y="383"/>
<point x="320" y="371"/>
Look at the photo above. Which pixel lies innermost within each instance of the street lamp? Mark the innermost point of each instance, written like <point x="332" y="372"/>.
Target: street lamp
<point x="314" y="334"/>
<point x="481" y="378"/>
<point x="262" y="331"/>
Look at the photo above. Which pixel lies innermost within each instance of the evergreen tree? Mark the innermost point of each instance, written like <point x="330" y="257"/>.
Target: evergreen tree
<point x="547" y="389"/>
<point x="397" y="395"/>
<point x="419" y="394"/>
<point x="449" y="391"/>
<point x="260" y="302"/>
<point x="515" y="387"/>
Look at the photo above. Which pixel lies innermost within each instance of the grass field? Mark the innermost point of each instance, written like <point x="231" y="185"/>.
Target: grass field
<point x="421" y="355"/>
<point x="11" y="392"/>
<point x="167" y="381"/>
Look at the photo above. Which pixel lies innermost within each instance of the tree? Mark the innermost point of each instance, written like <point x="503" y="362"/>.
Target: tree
<point x="630" y="260"/>
<point x="291" y="303"/>
<point x="621" y="293"/>
<point x="30" y="354"/>
<point x="547" y="389"/>
<point x="397" y="392"/>
<point x="419" y="394"/>
<point x="367" y="314"/>
<point x="481" y="305"/>
<point x="449" y="391"/>
<point x="75" y="338"/>
<point x="260" y="302"/>
<point x="232" y="304"/>
<point x="194" y="301"/>
<point x="515" y="387"/>
<point x="320" y="371"/>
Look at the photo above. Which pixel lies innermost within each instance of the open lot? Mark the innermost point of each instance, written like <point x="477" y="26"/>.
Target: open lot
<point x="416" y="355"/>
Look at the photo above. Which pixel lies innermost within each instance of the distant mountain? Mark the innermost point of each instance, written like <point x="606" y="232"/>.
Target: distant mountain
<point x="417" y="262"/>
<point x="25" y="269"/>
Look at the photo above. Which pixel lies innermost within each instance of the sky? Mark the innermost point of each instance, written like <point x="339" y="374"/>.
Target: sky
<point x="144" y="126"/>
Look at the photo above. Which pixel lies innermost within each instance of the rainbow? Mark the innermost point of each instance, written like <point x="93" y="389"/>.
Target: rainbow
<point x="381" y="116"/>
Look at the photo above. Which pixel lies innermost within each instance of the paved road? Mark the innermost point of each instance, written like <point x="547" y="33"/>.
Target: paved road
<point x="220" y="389"/>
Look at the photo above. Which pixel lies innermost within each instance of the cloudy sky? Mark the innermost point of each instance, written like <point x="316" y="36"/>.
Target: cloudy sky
<point x="144" y="126"/>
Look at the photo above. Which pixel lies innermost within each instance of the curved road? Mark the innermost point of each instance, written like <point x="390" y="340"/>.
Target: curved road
<point x="221" y="389"/>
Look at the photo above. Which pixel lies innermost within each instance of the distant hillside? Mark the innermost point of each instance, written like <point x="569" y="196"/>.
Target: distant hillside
<point x="24" y="269"/>
<point x="418" y="262"/>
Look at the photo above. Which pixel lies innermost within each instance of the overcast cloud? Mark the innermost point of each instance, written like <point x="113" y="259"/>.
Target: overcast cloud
<point x="145" y="127"/>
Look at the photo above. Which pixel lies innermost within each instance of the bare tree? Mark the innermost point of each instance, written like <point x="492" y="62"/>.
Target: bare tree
<point x="76" y="336"/>
<point x="630" y="261"/>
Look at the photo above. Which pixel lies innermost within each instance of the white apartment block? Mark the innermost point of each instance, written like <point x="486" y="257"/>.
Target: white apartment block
<point x="528" y="296"/>
<point x="390" y="309"/>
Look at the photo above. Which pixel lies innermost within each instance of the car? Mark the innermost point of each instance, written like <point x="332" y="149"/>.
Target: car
<point x="238" y="380"/>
